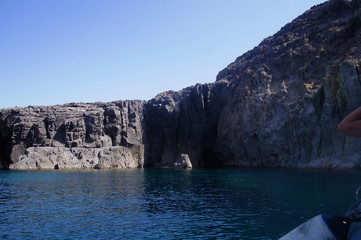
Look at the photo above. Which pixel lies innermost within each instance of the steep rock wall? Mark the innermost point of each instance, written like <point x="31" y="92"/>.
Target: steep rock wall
<point x="185" y="122"/>
<point x="291" y="91"/>
<point x="277" y="105"/>
<point x="94" y="134"/>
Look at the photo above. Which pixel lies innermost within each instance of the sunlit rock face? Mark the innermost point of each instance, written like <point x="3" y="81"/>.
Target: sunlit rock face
<point x="73" y="136"/>
<point x="277" y="105"/>
<point x="290" y="92"/>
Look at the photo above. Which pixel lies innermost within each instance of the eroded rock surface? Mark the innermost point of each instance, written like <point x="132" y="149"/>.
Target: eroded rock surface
<point x="290" y="92"/>
<point x="73" y="135"/>
<point x="277" y="105"/>
<point x="185" y="122"/>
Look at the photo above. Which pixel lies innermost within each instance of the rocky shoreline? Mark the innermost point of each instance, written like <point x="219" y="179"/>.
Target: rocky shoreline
<point x="277" y="105"/>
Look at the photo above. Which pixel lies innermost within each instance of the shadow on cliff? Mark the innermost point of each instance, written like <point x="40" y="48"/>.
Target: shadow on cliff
<point x="5" y="149"/>
<point x="185" y="122"/>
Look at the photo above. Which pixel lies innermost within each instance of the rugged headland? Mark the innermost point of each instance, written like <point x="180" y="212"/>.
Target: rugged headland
<point x="277" y="105"/>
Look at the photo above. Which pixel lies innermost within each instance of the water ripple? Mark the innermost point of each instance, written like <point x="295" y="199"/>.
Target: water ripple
<point x="167" y="204"/>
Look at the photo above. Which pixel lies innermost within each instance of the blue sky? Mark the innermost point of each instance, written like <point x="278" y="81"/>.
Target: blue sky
<point x="61" y="51"/>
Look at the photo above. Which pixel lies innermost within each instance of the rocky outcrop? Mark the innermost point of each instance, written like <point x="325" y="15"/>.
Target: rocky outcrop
<point x="73" y="136"/>
<point x="183" y="161"/>
<point x="115" y="135"/>
<point x="291" y="91"/>
<point x="79" y="158"/>
<point x="277" y="105"/>
<point x="184" y="122"/>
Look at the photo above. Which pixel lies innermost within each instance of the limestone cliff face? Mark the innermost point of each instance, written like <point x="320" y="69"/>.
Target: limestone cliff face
<point x="277" y="105"/>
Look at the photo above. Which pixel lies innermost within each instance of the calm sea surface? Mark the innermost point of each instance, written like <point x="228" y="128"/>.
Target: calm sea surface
<point x="167" y="203"/>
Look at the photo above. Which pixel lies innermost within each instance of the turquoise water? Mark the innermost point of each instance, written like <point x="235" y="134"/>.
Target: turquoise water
<point x="167" y="203"/>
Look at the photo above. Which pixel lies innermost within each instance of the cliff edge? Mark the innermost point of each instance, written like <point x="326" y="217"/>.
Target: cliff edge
<point x="277" y="105"/>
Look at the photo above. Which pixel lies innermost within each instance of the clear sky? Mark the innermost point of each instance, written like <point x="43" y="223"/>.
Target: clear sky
<point x="61" y="51"/>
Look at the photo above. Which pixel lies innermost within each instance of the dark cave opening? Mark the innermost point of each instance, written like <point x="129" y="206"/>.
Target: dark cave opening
<point x="5" y="150"/>
<point x="211" y="159"/>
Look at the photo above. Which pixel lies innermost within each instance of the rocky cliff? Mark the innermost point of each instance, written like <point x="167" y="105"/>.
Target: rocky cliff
<point x="277" y="105"/>
<point x="290" y="92"/>
<point x="73" y="136"/>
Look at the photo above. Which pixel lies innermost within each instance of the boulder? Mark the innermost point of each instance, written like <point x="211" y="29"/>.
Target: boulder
<point x="183" y="161"/>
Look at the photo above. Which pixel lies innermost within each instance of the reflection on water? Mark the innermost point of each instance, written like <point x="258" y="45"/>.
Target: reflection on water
<point x="167" y="203"/>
